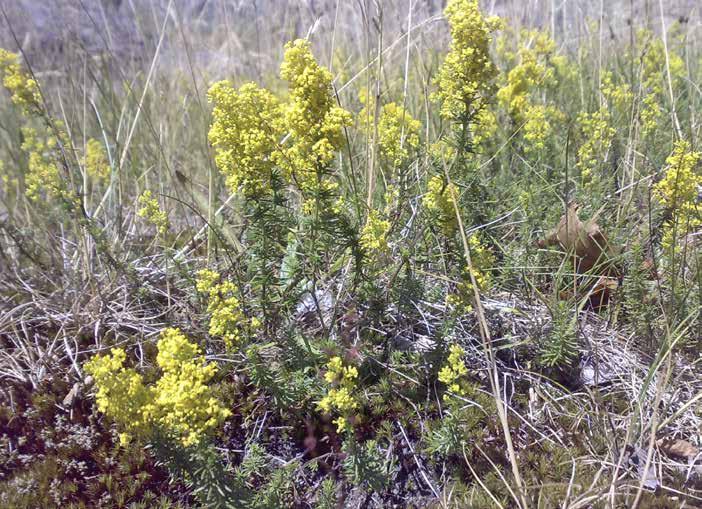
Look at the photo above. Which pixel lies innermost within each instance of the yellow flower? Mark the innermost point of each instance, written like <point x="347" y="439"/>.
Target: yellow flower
<point x="618" y="97"/>
<point x="180" y="403"/>
<point x="536" y="67"/>
<point x="654" y="77"/>
<point x="680" y="186"/>
<point x="24" y="89"/>
<point x="43" y="167"/>
<point x="453" y="373"/>
<point x="439" y="201"/>
<point x="151" y="211"/>
<point x="95" y="160"/>
<point x="246" y="129"/>
<point x="397" y="130"/>
<point x="121" y="393"/>
<point x="227" y="320"/>
<point x="312" y="117"/>
<point x="340" y="398"/>
<point x="185" y="403"/>
<point x="374" y="234"/>
<point x="485" y="126"/>
<point x="466" y="78"/>
<point x="598" y="135"/>
<point x="678" y="192"/>
<point x="483" y="260"/>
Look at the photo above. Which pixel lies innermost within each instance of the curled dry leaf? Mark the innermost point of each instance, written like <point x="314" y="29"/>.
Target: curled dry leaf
<point x="602" y="291"/>
<point x="678" y="448"/>
<point x="72" y="395"/>
<point x="584" y="240"/>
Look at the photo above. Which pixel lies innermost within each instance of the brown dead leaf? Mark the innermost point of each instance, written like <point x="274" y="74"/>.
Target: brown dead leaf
<point x="71" y="396"/>
<point x="584" y="240"/>
<point x="677" y="448"/>
<point x="602" y="291"/>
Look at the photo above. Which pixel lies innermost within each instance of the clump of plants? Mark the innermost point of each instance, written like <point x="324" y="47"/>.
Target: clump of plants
<point x="352" y="294"/>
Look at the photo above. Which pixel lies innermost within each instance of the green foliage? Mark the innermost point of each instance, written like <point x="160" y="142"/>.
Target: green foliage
<point x="365" y="465"/>
<point x="327" y="498"/>
<point x="289" y="389"/>
<point x="202" y="469"/>
<point x="560" y="347"/>
<point x="251" y="485"/>
<point x="639" y="296"/>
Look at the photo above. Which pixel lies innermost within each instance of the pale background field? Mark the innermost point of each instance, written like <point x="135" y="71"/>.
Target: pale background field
<point x="245" y="37"/>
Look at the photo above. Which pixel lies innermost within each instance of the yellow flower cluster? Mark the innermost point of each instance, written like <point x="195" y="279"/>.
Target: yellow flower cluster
<point x="398" y="132"/>
<point x="598" y="134"/>
<point x="151" y="211"/>
<point x="43" y="170"/>
<point x="121" y="393"/>
<point x="312" y="117"/>
<point x="618" y="97"/>
<point x="537" y="66"/>
<point x="532" y="70"/>
<point x="439" y="201"/>
<point x="654" y="77"/>
<point x="466" y="78"/>
<point x="227" y="320"/>
<point x="340" y="397"/>
<point x="537" y="127"/>
<point x="184" y="402"/>
<point x="255" y="135"/>
<point x="678" y="192"/>
<point x="24" y="89"/>
<point x="483" y="260"/>
<point x="484" y="126"/>
<point x="245" y="132"/>
<point x="180" y="403"/>
<point x="95" y="160"/>
<point x="374" y="234"/>
<point x="453" y="373"/>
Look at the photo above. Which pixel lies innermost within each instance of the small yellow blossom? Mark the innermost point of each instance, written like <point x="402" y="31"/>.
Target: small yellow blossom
<point x="453" y="373"/>
<point x="43" y="168"/>
<point x="618" y="97"/>
<point x="246" y="129"/>
<point x="24" y="89"/>
<point x="466" y="78"/>
<point x="398" y="132"/>
<point x="680" y="186"/>
<point x="374" y="235"/>
<point x="484" y="126"/>
<point x="536" y="128"/>
<point x="483" y="261"/>
<point x="121" y="393"/>
<point x="186" y="404"/>
<point x="656" y="61"/>
<point x="95" y="160"/>
<point x="598" y="134"/>
<point x="227" y="320"/>
<point x="439" y="201"/>
<point x="678" y="192"/>
<point x="537" y="67"/>
<point x="312" y="117"/>
<point x="151" y="211"/>
<point x="180" y="403"/>
<point x="340" y="399"/>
